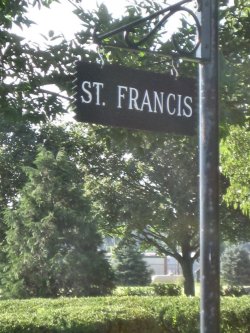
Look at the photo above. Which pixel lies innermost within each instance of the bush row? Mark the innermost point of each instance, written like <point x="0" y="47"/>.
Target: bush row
<point x="236" y="291"/>
<point x="155" y="289"/>
<point x="131" y="314"/>
<point x="171" y="289"/>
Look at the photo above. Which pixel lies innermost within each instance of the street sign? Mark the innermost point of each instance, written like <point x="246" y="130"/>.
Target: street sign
<point x="124" y="97"/>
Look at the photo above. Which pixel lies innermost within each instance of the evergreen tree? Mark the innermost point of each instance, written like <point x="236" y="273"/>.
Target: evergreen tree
<point x="235" y="266"/>
<point x="52" y="246"/>
<point x="130" y="268"/>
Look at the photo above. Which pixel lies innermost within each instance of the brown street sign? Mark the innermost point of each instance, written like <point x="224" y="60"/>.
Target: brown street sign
<point x="125" y="97"/>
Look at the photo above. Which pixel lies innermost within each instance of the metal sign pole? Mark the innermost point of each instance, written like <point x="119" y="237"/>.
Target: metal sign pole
<point x="209" y="169"/>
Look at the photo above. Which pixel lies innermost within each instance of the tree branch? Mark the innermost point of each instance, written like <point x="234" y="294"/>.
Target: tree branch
<point x="49" y="92"/>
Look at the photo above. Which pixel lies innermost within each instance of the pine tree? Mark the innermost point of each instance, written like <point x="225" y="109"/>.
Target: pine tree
<point x="52" y="245"/>
<point x="130" y="268"/>
<point x="235" y="266"/>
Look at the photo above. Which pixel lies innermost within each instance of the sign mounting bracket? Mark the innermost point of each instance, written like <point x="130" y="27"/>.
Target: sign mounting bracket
<point x="134" y="43"/>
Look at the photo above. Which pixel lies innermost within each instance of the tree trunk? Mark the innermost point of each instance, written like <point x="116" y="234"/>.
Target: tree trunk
<point x="187" y="270"/>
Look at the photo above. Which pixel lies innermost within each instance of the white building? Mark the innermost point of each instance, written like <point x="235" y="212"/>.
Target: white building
<point x="162" y="265"/>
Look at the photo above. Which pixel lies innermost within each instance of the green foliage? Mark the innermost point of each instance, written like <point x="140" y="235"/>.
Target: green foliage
<point x="155" y="289"/>
<point x="17" y="149"/>
<point x="235" y="314"/>
<point x="13" y="11"/>
<point x="167" y="289"/>
<point x="235" y="160"/>
<point x="234" y="225"/>
<point x="234" y="64"/>
<point x="236" y="291"/>
<point x="129" y="266"/>
<point x="235" y="266"/>
<point x="133" y="291"/>
<point x="118" y="315"/>
<point x="145" y="187"/>
<point x="26" y="68"/>
<point x="51" y="242"/>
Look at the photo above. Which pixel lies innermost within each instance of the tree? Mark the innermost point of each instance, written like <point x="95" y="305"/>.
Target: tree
<point x="235" y="265"/>
<point x="235" y="103"/>
<point x="129" y="266"/>
<point x="17" y="150"/>
<point x="26" y="70"/>
<point x="234" y="64"/>
<point x="19" y="144"/>
<point x="52" y="246"/>
<point x="235" y="160"/>
<point x="146" y="188"/>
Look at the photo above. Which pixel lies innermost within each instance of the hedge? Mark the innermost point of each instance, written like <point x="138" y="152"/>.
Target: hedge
<point x="130" y="314"/>
<point x="155" y="289"/>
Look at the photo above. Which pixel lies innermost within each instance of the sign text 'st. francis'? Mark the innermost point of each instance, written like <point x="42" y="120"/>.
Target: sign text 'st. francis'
<point x="124" y="97"/>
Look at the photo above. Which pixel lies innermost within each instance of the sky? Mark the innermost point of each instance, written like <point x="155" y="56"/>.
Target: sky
<point x="60" y="19"/>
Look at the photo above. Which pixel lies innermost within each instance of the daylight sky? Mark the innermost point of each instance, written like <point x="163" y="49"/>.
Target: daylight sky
<point x="60" y="19"/>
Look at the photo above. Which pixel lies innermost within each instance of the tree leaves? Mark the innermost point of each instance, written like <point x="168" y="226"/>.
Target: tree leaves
<point x="52" y="246"/>
<point x="235" y="159"/>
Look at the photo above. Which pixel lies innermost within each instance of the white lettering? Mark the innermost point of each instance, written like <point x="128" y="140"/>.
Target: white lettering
<point x="121" y="95"/>
<point x="151" y="101"/>
<point x="146" y="101"/>
<point x="179" y="105"/>
<point x="133" y="97"/>
<point x="168" y="104"/>
<point x="87" y="92"/>
<point x="98" y="86"/>
<point x="87" y="88"/>
<point x="188" y="106"/>
<point x="158" y="101"/>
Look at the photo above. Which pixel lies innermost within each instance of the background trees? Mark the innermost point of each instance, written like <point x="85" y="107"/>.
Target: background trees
<point x="18" y="141"/>
<point x="52" y="246"/>
<point x="145" y="187"/>
<point x="235" y="265"/>
<point x="130" y="268"/>
<point x="132" y="191"/>
<point x="139" y="184"/>
<point x="235" y="103"/>
<point x="26" y="69"/>
<point x="234" y="66"/>
<point x="235" y="159"/>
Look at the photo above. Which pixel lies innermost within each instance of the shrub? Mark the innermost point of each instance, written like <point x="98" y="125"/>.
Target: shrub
<point x="176" y="279"/>
<point x="156" y="289"/>
<point x="134" y="291"/>
<point x="236" y="291"/>
<point x="167" y="289"/>
<point x="118" y="315"/>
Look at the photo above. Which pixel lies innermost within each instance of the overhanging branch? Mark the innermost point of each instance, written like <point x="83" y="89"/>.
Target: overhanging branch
<point x="132" y="41"/>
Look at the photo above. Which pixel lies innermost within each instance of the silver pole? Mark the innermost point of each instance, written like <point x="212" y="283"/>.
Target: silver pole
<point x="209" y="169"/>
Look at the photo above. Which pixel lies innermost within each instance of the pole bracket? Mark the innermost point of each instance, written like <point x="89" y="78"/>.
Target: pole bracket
<point x="133" y="41"/>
